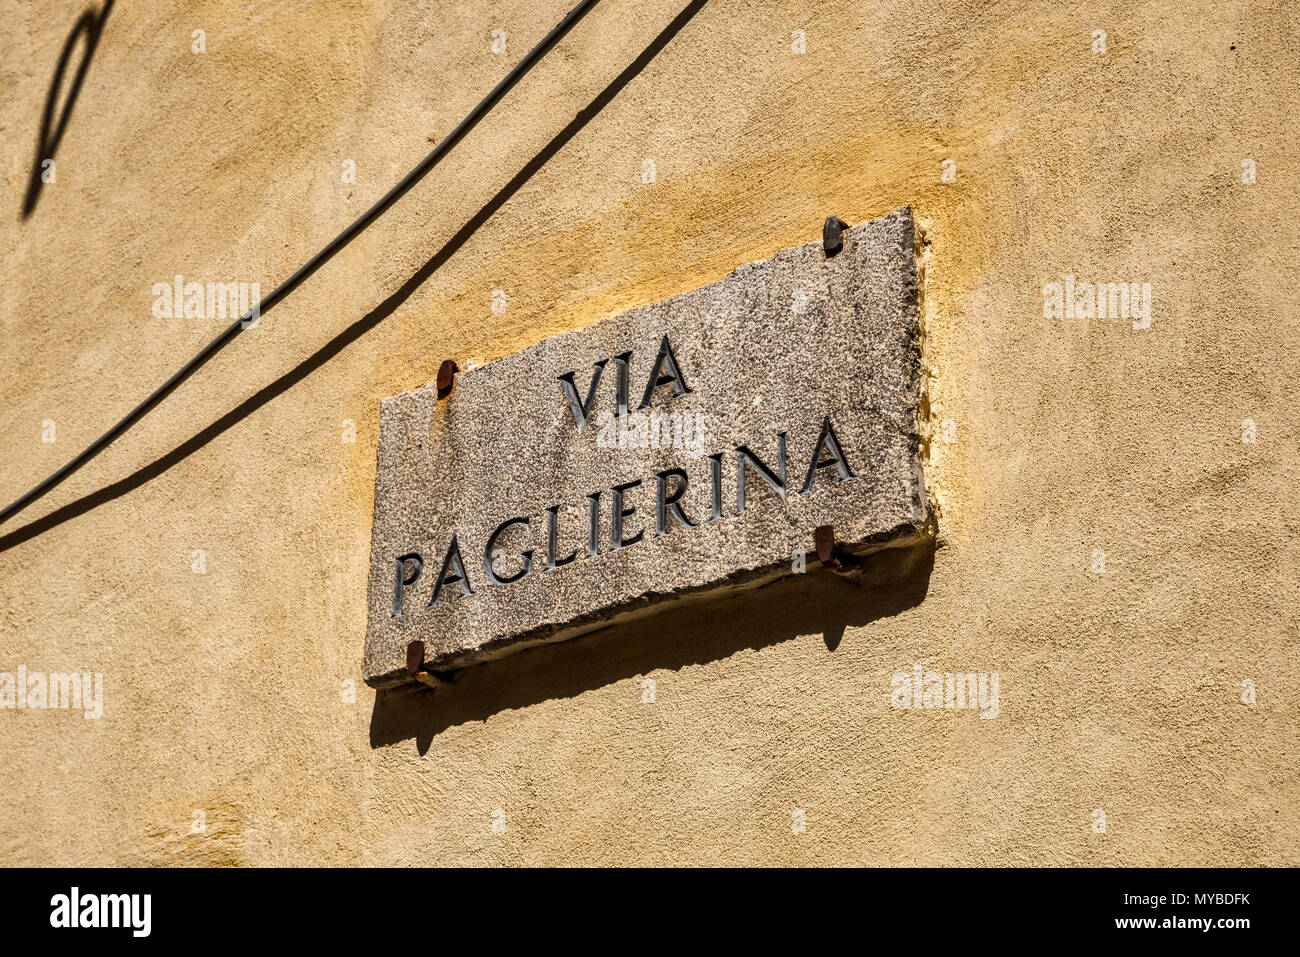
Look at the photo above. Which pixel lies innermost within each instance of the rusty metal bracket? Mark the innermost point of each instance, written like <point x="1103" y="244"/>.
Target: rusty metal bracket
<point x="837" y="559"/>
<point x="833" y="236"/>
<point x="447" y="377"/>
<point x="824" y="542"/>
<point x="415" y="665"/>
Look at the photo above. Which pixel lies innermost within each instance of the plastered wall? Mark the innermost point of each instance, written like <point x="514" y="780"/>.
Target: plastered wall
<point x="1110" y="545"/>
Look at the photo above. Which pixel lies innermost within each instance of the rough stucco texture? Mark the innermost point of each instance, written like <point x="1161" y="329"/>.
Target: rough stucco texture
<point x="1119" y="690"/>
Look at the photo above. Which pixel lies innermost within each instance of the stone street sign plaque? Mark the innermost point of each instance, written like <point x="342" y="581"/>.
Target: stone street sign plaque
<point x="678" y="448"/>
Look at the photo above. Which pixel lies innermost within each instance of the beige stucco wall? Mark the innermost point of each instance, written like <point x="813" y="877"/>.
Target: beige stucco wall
<point x="1119" y="691"/>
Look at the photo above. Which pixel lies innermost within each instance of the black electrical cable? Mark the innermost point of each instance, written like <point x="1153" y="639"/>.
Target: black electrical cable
<point x="311" y="265"/>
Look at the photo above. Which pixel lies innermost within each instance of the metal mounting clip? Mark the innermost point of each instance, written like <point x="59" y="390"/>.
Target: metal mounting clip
<point x="415" y="665"/>
<point x="833" y="236"/>
<point x="837" y="559"/>
<point x="446" y="377"/>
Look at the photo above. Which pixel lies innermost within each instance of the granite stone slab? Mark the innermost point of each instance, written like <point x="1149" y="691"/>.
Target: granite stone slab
<point x="483" y="538"/>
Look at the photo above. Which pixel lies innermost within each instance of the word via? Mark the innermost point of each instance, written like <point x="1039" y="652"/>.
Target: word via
<point x="665" y="371"/>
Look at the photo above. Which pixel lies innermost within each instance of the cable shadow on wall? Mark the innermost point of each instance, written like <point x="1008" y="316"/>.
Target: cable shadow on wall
<point x="367" y="322"/>
<point x="47" y="139"/>
<point x="707" y="630"/>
